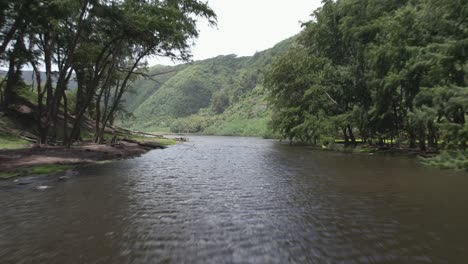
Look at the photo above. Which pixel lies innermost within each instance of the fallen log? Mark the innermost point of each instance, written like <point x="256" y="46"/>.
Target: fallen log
<point x="152" y="145"/>
<point x="146" y="144"/>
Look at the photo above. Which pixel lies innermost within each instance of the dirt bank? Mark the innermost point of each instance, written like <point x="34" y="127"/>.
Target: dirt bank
<point x="22" y="160"/>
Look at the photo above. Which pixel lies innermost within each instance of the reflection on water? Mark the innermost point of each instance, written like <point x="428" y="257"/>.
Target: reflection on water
<point x="238" y="200"/>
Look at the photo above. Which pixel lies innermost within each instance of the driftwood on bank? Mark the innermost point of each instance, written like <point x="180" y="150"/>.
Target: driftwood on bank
<point x="146" y="144"/>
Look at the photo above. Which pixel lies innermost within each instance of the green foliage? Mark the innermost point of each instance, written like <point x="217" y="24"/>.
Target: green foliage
<point x="241" y="127"/>
<point x="249" y="116"/>
<point x="219" y="101"/>
<point x="27" y="93"/>
<point x="189" y="90"/>
<point x="104" y="44"/>
<point x="10" y="129"/>
<point x="159" y="140"/>
<point x="213" y="94"/>
<point x="449" y="160"/>
<point x="142" y="88"/>
<point x="9" y="141"/>
<point x="387" y="70"/>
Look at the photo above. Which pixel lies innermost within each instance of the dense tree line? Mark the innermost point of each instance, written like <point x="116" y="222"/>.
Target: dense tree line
<point x="103" y="44"/>
<point x="385" y="72"/>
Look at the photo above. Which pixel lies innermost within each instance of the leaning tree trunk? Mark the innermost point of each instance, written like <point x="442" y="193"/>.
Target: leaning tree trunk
<point x="412" y="138"/>
<point x="432" y="136"/>
<point x="422" y="139"/>
<point x="351" y="136"/>
<point x="65" y="120"/>
<point x="121" y="87"/>
<point x="13" y="76"/>
<point x="345" y="136"/>
<point x="1" y="92"/>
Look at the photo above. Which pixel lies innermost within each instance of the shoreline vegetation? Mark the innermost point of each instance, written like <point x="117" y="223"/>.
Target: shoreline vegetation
<point x="22" y="155"/>
<point x="447" y="159"/>
<point x="19" y="157"/>
<point x="391" y="74"/>
<point x="368" y="75"/>
<point x="453" y="160"/>
<point x="66" y="66"/>
<point x="361" y="76"/>
<point x="24" y="160"/>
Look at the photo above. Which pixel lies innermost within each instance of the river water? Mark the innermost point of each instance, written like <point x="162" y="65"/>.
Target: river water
<point x="238" y="200"/>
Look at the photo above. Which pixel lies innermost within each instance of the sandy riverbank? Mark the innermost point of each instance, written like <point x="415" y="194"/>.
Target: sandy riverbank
<point x="26" y="161"/>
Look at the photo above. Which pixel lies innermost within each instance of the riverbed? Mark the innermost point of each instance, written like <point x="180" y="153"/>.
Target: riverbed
<point x="238" y="200"/>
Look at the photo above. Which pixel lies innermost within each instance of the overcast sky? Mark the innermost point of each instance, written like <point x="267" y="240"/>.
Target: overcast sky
<point x="247" y="26"/>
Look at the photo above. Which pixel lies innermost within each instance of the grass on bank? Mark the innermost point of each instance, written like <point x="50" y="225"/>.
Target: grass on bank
<point x="34" y="170"/>
<point x="9" y="141"/>
<point x="159" y="140"/>
<point x="88" y="135"/>
<point x="457" y="160"/>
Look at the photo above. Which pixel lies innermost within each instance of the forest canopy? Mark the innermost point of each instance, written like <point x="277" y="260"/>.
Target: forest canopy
<point x="383" y="72"/>
<point x="102" y="44"/>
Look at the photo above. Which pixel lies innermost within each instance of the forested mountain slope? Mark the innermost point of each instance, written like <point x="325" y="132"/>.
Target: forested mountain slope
<point x="195" y="96"/>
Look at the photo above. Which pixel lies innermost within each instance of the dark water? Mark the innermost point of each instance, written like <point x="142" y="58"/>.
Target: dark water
<point x="239" y="200"/>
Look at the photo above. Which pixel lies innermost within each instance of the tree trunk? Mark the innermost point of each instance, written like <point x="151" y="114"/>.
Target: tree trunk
<point x="13" y="77"/>
<point x="351" y="136"/>
<point x="121" y="87"/>
<point x="7" y="91"/>
<point x="2" y="99"/>
<point x="345" y="135"/>
<point x="97" y="136"/>
<point x="422" y="139"/>
<point x="65" y="71"/>
<point x="48" y="90"/>
<point x="40" y="95"/>
<point x="65" y="120"/>
<point x="432" y="136"/>
<point x="8" y="36"/>
<point x="412" y="139"/>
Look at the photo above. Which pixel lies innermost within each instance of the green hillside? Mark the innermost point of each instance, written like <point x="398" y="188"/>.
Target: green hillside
<point x="143" y="89"/>
<point x="222" y="95"/>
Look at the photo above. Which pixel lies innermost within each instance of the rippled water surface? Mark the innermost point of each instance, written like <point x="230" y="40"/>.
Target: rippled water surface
<point x="239" y="200"/>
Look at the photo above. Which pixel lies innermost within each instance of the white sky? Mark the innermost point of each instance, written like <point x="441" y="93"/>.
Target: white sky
<point x="247" y="26"/>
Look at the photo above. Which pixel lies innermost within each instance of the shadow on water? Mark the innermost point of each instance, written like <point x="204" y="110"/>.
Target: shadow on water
<point x="218" y="199"/>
